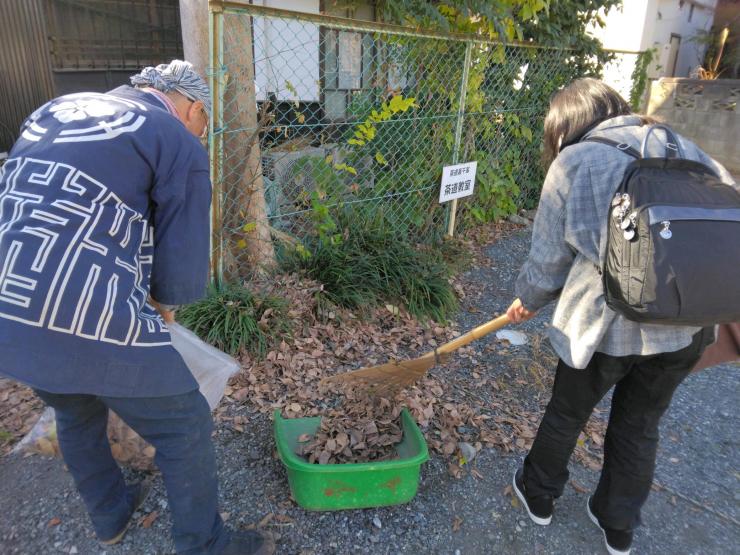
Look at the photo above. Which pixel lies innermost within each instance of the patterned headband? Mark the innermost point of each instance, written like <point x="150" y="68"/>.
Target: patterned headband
<point x="178" y="76"/>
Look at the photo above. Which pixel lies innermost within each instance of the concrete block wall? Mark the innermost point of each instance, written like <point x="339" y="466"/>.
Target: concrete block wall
<point x="704" y="111"/>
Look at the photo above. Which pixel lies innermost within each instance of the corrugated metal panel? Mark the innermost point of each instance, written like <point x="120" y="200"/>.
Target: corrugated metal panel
<point x="113" y="34"/>
<point x="25" y="69"/>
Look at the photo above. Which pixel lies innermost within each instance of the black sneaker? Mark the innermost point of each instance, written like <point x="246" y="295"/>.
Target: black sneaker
<point x="538" y="508"/>
<point x="250" y="542"/>
<point x="618" y="542"/>
<point x="141" y="492"/>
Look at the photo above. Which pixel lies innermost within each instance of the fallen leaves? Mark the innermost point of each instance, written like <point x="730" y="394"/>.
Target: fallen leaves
<point x="454" y="470"/>
<point x="456" y="523"/>
<point x="481" y="404"/>
<point x="578" y="487"/>
<point x="362" y="429"/>
<point x="127" y="446"/>
<point x="482" y="396"/>
<point x="19" y="411"/>
<point x="147" y="520"/>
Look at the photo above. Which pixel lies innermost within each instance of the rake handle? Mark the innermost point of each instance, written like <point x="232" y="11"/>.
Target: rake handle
<point x="476" y="333"/>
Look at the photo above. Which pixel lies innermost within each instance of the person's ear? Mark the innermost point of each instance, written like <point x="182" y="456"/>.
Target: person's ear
<point x="194" y="111"/>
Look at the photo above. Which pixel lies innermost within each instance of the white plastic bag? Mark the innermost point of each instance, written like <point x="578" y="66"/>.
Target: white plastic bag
<point x="210" y="367"/>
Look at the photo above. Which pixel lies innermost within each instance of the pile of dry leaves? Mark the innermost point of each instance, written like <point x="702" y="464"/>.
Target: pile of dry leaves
<point x="19" y="411"/>
<point x="366" y="430"/>
<point x="479" y="409"/>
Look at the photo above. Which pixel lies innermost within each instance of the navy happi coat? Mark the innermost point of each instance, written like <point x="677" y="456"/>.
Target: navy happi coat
<point x="104" y="201"/>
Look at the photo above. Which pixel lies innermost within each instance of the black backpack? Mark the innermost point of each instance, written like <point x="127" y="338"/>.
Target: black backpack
<point x="673" y="241"/>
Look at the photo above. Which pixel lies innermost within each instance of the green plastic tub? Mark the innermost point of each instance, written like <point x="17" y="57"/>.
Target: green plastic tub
<point x="333" y="487"/>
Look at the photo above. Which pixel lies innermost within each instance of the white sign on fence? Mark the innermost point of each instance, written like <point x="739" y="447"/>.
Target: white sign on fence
<point x="457" y="181"/>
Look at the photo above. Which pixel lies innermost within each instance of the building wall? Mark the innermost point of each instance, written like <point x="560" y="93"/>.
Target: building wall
<point x="644" y="24"/>
<point x="629" y="28"/>
<point x="685" y="19"/>
<point x="287" y="51"/>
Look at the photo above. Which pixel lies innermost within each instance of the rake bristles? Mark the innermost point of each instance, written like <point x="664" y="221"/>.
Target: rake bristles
<point x="388" y="378"/>
<point x="385" y="379"/>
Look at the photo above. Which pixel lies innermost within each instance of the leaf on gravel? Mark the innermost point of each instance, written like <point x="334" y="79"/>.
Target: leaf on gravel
<point x="148" y="520"/>
<point x="578" y="487"/>
<point x="456" y="523"/>
<point x="597" y="438"/>
<point x="56" y="521"/>
<point x="241" y="394"/>
<point x="454" y="470"/>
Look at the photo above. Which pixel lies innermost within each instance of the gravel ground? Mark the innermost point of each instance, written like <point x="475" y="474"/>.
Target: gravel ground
<point x="695" y="510"/>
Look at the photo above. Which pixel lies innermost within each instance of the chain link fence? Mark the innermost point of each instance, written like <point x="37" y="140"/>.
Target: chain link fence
<point x="322" y="122"/>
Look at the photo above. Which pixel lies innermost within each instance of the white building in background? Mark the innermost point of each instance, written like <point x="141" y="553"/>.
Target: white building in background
<point x="669" y="26"/>
<point x="299" y="61"/>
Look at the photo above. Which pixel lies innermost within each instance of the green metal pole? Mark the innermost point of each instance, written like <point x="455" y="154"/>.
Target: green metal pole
<point x="452" y="209"/>
<point x="215" y="138"/>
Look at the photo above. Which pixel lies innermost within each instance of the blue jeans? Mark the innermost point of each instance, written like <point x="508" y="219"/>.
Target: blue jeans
<point x="179" y="427"/>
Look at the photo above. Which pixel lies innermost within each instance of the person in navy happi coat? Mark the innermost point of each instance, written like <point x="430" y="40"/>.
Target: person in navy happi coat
<point x="104" y="231"/>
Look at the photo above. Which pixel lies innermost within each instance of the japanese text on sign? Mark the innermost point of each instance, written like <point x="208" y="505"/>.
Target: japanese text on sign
<point x="457" y="181"/>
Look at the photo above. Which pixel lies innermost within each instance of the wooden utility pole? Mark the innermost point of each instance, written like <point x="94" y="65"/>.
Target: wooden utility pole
<point x="245" y="230"/>
<point x="245" y="209"/>
<point x="194" y="25"/>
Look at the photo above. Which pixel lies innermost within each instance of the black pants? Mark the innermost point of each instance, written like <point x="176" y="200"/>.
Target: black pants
<point x="644" y="386"/>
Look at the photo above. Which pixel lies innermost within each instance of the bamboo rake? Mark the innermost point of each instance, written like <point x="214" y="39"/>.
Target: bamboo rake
<point x="394" y="375"/>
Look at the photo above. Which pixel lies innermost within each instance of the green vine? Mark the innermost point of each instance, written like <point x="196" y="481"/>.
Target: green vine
<point x="640" y="78"/>
<point x="507" y="94"/>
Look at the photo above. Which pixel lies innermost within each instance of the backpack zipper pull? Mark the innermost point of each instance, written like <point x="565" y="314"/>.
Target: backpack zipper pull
<point x="666" y="232"/>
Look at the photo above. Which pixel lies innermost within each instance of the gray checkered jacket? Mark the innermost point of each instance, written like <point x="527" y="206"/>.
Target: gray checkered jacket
<point x="568" y="246"/>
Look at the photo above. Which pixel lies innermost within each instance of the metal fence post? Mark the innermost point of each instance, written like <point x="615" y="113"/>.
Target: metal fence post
<point x="458" y="131"/>
<point x="215" y="148"/>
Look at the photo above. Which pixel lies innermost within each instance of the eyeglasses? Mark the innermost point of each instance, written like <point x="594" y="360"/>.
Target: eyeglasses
<point x="205" y="118"/>
<point x="202" y="109"/>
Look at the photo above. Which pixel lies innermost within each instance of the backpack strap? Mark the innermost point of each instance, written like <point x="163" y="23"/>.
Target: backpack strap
<point x="624" y="147"/>
<point x="672" y="146"/>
